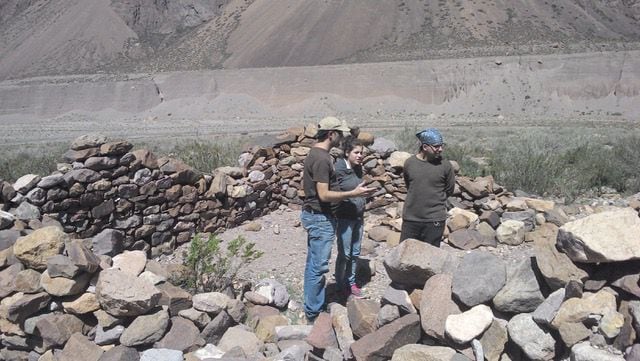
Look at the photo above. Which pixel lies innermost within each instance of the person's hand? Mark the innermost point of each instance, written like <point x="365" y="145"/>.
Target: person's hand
<point x="362" y="191"/>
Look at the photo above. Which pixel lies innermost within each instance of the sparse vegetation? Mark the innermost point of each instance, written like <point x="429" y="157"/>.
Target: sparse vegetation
<point x="41" y="160"/>
<point x="206" y="155"/>
<point x="560" y="161"/>
<point x="213" y="267"/>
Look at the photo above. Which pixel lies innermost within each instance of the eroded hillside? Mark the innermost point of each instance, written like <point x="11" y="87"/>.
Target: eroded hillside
<point x="71" y="36"/>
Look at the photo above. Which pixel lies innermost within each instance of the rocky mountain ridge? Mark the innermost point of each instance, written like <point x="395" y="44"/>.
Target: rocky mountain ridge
<point x="71" y="36"/>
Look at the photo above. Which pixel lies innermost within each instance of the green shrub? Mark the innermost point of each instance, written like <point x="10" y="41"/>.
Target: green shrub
<point x="206" y="156"/>
<point x="212" y="268"/>
<point x="40" y="161"/>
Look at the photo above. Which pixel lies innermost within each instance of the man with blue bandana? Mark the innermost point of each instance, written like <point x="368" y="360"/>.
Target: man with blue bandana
<point x="430" y="181"/>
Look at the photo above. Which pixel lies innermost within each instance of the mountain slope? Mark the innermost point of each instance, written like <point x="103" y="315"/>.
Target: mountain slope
<point x="42" y="37"/>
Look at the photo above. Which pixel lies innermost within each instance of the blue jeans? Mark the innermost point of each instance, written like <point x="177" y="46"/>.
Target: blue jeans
<point x="320" y="234"/>
<point x="349" y="243"/>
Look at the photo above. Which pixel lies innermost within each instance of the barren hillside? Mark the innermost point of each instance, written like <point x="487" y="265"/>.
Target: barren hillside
<point x="42" y="37"/>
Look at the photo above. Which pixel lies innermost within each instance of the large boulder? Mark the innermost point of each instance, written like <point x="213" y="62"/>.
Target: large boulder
<point x="34" y="249"/>
<point x="522" y="292"/>
<point x="478" y="278"/>
<point x="413" y="262"/>
<point x="610" y="236"/>
<point x="536" y="343"/>
<point x="381" y="344"/>
<point x="555" y="266"/>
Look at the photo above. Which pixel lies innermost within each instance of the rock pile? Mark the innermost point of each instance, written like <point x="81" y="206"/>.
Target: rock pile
<point x="76" y="282"/>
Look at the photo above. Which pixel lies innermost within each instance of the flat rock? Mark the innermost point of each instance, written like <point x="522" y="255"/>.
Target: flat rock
<point x="122" y="294"/>
<point x="521" y="293"/>
<point x="436" y="305"/>
<point x="413" y="262"/>
<point x="555" y="266"/>
<point x="382" y="343"/>
<point x="34" y="249"/>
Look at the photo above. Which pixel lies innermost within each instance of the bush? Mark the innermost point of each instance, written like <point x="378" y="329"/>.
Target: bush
<point x="206" y="156"/>
<point x="211" y="268"/>
<point x="541" y="166"/>
<point x="40" y="161"/>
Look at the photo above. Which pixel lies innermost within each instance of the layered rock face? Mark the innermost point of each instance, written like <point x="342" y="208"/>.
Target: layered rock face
<point x="77" y="280"/>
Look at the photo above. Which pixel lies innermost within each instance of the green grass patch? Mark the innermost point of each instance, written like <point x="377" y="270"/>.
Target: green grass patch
<point x="40" y="160"/>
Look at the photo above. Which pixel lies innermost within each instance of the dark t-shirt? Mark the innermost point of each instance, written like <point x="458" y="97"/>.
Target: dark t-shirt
<point x="318" y="168"/>
<point x="349" y="178"/>
<point x="428" y="186"/>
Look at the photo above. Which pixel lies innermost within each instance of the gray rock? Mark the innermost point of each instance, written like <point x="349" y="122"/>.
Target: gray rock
<point x="8" y="237"/>
<point x="162" y="354"/>
<point x="85" y="141"/>
<point x="27" y="305"/>
<point x="548" y="309"/>
<point x="293" y="332"/>
<point x="121" y="294"/>
<point x="528" y="217"/>
<point x="384" y="147"/>
<point x="274" y="291"/>
<point x="26" y="212"/>
<point x="25" y="183"/>
<point x="146" y="329"/>
<point x="108" y="242"/>
<point x="51" y="181"/>
<point x="536" y="343"/>
<point x="7" y="278"/>
<point x="214" y="330"/>
<point x="238" y="336"/>
<point x="521" y="293"/>
<point x="82" y="175"/>
<point x="183" y="335"/>
<point x="120" y="353"/>
<point x="62" y="266"/>
<point x="388" y="314"/>
<point x="583" y="351"/>
<point x="413" y="262"/>
<point x="398" y="297"/>
<point x="210" y="302"/>
<point x="108" y="336"/>
<point x="6" y="220"/>
<point x="478" y="278"/>
<point x="36" y="196"/>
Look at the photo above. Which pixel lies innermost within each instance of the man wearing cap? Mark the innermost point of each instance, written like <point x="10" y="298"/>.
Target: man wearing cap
<point x="430" y="181"/>
<point x="317" y="214"/>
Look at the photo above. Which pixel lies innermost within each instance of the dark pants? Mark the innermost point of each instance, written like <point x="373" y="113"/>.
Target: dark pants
<point x="430" y="232"/>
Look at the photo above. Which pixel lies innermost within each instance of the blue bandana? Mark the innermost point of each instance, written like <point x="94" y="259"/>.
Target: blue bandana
<point x="430" y="136"/>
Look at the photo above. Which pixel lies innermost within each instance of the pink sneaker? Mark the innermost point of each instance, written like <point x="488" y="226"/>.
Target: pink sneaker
<point x="356" y="291"/>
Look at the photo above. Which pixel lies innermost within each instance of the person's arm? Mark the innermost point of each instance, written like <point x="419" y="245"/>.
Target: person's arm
<point x="327" y="195"/>
<point x="450" y="181"/>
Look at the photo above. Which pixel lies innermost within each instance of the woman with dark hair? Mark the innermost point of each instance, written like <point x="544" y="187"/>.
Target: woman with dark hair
<point x="349" y="213"/>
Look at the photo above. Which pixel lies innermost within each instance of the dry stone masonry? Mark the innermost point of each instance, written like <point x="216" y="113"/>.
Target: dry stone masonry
<point x="78" y="279"/>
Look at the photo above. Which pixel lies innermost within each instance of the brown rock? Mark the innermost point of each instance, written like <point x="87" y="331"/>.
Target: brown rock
<point x="363" y="315"/>
<point x="436" y="305"/>
<point x="555" y="266"/>
<point x="34" y="249"/>
<point x="322" y="335"/>
<point x="381" y="344"/>
<point x="79" y="348"/>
